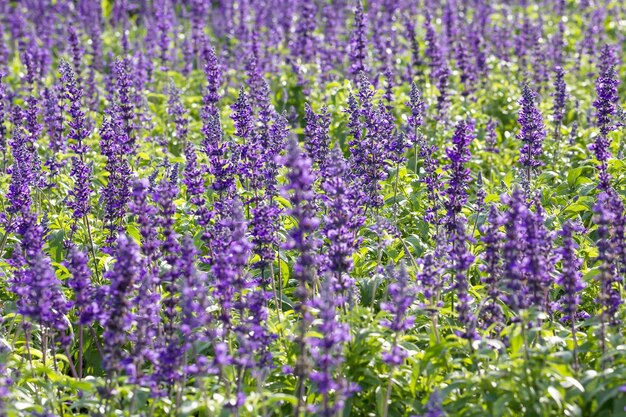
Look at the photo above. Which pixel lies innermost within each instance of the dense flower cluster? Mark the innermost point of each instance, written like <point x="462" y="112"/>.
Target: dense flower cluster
<point x="306" y="208"/>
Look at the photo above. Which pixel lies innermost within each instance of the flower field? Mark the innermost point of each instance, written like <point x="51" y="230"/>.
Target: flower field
<point x="331" y="208"/>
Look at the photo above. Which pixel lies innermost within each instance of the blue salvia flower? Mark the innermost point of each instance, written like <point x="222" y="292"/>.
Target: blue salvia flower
<point x="34" y="129"/>
<point x="570" y="277"/>
<point x="304" y="43"/>
<point x="401" y="293"/>
<point x="117" y="316"/>
<point x="77" y="54"/>
<point x="124" y="86"/>
<point x="465" y="66"/>
<point x="250" y="162"/>
<point x="3" y="129"/>
<point x="213" y="75"/>
<point x="316" y="134"/>
<point x="560" y="96"/>
<point x="461" y="260"/>
<point x="265" y="217"/>
<point x="344" y="216"/>
<point x="40" y="296"/>
<point x="146" y="218"/>
<point x="459" y="176"/>
<point x="299" y="190"/>
<point x="53" y="107"/>
<point x="193" y="180"/>
<point x="532" y="131"/>
<point x="431" y="277"/>
<point x="115" y="146"/>
<point x="19" y="196"/>
<point x="252" y="333"/>
<point x="85" y="305"/>
<point x="327" y="351"/>
<point x="491" y="137"/>
<point x="432" y="179"/>
<point x="372" y="133"/>
<point x="232" y="252"/>
<point x="194" y="301"/>
<point x="538" y="260"/>
<point x="609" y="298"/>
<point x="418" y="110"/>
<point x="178" y="112"/>
<point x="357" y="50"/>
<point x="492" y="240"/>
<point x="605" y="104"/>
<point x="164" y="197"/>
<point x="416" y="59"/>
<point x="80" y="172"/>
<point x="514" y="248"/>
<point x="302" y="239"/>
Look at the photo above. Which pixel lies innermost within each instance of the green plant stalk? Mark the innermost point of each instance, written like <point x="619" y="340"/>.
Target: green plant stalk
<point x="92" y="247"/>
<point x="575" y="347"/>
<point x="389" y="381"/>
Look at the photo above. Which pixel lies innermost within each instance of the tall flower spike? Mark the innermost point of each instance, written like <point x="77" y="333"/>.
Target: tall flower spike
<point x="299" y="190"/>
<point x="570" y="278"/>
<point x="304" y="45"/>
<point x="145" y="214"/>
<point x="491" y="137"/>
<point x="538" y="264"/>
<point x="532" y="131"/>
<point x="605" y="104"/>
<point x="177" y="111"/>
<point x="77" y="53"/>
<point x="80" y="172"/>
<point x="560" y="95"/>
<point x="459" y="154"/>
<point x="609" y="298"/>
<point x="357" y="50"/>
<point x="514" y="248"/>
<point x="343" y="218"/>
<point x="54" y="108"/>
<point x="327" y="351"/>
<point x="164" y="197"/>
<point x="230" y="260"/>
<point x="18" y="196"/>
<point x="401" y="296"/>
<point x="115" y="146"/>
<point x="3" y="129"/>
<point x="193" y="294"/>
<point x="461" y="260"/>
<point x="85" y="304"/>
<point x="124" y="86"/>
<point x="316" y="134"/>
<point x="492" y="240"/>
<point x="418" y="109"/>
<point x="117" y="315"/>
<point x="214" y="78"/>
<point x="40" y="297"/>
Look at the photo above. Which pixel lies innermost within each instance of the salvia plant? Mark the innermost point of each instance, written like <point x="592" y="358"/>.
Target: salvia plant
<point x="312" y="208"/>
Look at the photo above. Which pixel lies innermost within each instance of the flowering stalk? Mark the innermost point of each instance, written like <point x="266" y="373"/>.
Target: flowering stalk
<point x="605" y="103"/>
<point x="532" y="133"/>
<point x="558" y="107"/>
<point x="299" y="190"/>
<point x="358" y="42"/>
<point x="571" y="279"/>
<point x="401" y="297"/>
